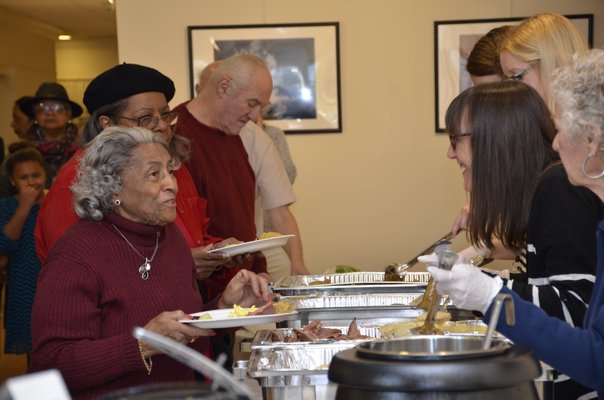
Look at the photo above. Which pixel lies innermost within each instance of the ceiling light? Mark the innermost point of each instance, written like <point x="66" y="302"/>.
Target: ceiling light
<point x="64" y="37"/>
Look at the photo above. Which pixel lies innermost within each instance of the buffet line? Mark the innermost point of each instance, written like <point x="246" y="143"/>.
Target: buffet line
<point x="350" y="324"/>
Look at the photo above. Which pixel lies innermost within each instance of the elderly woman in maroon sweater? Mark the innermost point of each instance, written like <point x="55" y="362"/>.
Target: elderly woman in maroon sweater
<point x="124" y="264"/>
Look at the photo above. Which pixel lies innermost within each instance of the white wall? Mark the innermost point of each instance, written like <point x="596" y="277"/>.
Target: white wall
<point x="383" y="189"/>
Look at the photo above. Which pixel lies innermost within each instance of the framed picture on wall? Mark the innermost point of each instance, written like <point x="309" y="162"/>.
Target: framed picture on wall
<point x="453" y="42"/>
<point x="303" y="60"/>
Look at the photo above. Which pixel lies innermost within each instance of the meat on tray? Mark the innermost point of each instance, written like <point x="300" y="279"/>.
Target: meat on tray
<point x="315" y="331"/>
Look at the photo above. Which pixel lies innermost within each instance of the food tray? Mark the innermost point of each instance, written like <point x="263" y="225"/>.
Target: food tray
<point x="266" y="338"/>
<point x="358" y="282"/>
<point x="298" y="358"/>
<point x="336" y="300"/>
<point x="338" y="309"/>
<point x="456" y="328"/>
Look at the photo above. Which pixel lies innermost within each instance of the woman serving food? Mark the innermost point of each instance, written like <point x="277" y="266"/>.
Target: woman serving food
<point x="124" y="264"/>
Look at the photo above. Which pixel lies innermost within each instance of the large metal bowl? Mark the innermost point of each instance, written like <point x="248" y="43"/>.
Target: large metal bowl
<point x="430" y="347"/>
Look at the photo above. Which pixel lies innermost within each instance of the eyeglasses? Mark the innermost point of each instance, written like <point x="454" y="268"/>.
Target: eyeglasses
<point x="454" y="139"/>
<point x="150" y="121"/>
<point x="54" y="107"/>
<point x="520" y="74"/>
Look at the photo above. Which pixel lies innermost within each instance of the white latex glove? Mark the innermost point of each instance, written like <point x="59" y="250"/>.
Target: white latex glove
<point x="466" y="286"/>
<point x="432" y="260"/>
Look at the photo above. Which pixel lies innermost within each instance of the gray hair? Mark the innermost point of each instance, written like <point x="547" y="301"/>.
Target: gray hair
<point x="240" y="68"/>
<point x="101" y="167"/>
<point x="579" y="92"/>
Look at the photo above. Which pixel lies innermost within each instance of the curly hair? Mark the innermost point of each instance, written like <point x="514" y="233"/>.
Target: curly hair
<point x="579" y="92"/>
<point x="25" y="153"/>
<point x="101" y="167"/>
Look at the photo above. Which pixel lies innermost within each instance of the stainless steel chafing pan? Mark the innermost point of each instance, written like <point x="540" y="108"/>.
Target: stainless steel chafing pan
<point x="354" y="282"/>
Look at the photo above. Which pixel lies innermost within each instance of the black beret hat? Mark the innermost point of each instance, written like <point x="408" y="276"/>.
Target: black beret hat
<point x="125" y="80"/>
<point x="52" y="91"/>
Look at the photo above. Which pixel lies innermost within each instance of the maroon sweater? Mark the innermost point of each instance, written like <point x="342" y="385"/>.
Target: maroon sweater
<point x="90" y="296"/>
<point x="223" y="176"/>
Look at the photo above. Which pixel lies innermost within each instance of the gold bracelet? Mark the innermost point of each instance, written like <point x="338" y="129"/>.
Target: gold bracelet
<point x="148" y="364"/>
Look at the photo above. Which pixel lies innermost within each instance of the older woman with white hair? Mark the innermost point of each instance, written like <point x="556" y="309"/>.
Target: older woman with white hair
<point x="576" y="352"/>
<point x="124" y="264"/>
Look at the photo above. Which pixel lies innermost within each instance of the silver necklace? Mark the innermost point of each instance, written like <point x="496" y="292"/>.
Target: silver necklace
<point x="146" y="266"/>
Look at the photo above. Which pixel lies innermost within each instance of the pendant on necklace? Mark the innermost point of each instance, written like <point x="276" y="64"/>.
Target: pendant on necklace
<point x="144" y="269"/>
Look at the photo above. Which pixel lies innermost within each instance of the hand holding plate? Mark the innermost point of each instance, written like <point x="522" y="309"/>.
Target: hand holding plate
<point x="167" y="324"/>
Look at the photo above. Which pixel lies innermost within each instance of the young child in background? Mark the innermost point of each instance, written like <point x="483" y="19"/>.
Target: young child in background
<point x="18" y="215"/>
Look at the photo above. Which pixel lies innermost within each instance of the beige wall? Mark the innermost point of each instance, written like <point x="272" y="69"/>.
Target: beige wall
<point x="32" y="55"/>
<point x="79" y="61"/>
<point x="383" y="189"/>
<point x="27" y="57"/>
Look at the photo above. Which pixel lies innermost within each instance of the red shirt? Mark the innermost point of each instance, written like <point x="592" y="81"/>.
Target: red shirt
<point x="222" y="174"/>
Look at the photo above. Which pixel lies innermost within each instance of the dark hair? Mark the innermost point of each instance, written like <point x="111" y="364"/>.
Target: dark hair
<point x="93" y="126"/>
<point x="511" y="140"/>
<point x="484" y="57"/>
<point x="16" y="146"/>
<point x="23" y="104"/>
<point x="27" y="153"/>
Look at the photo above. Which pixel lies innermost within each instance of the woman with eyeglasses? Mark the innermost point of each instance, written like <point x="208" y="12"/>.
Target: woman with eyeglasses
<point x="576" y="351"/>
<point x="530" y="52"/>
<point x="536" y="47"/>
<point x="124" y="264"/>
<point x="520" y="195"/>
<point x="134" y="95"/>
<point x="53" y="133"/>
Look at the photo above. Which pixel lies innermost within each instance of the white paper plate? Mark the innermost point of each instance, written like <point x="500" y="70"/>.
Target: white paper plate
<point x="220" y="319"/>
<point x="253" y="246"/>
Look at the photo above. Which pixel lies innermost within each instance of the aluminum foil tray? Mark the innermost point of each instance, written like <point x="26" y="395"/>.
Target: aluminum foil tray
<point x="299" y="358"/>
<point x="360" y="282"/>
<point x="323" y="301"/>
<point x="276" y="337"/>
<point x="458" y="328"/>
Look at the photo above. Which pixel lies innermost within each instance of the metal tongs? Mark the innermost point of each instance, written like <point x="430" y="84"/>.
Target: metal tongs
<point x="401" y="269"/>
<point x="446" y="260"/>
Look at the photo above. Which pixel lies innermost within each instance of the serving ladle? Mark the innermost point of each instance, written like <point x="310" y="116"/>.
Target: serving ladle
<point x="446" y="260"/>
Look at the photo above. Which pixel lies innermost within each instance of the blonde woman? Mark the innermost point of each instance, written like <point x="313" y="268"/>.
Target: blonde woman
<point x="536" y="47"/>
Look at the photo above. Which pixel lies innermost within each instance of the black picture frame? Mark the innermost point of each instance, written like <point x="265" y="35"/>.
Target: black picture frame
<point x="304" y="61"/>
<point x="450" y="76"/>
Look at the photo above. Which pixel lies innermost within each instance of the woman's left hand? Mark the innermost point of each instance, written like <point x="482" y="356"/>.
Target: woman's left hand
<point x="245" y="289"/>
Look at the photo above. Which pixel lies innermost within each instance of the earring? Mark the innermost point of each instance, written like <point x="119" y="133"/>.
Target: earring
<point x="117" y="202"/>
<point x="601" y="174"/>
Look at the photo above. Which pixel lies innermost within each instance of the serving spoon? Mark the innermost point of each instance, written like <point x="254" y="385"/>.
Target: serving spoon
<point x="446" y="259"/>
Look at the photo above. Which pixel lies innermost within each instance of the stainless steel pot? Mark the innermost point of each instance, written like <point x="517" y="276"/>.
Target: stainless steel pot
<point x="434" y="367"/>
<point x="171" y="391"/>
